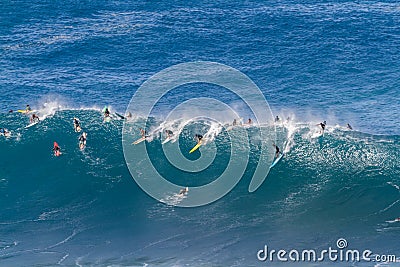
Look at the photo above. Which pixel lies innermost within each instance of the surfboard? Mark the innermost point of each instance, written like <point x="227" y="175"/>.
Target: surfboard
<point x="394" y="221"/>
<point x="25" y="111"/>
<point x="276" y="160"/>
<point x="195" y="147"/>
<point x="166" y="140"/>
<point x="317" y="134"/>
<point x="139" y="140"/>
<point x="32" y="124"/>
<point x="119" y="115"/>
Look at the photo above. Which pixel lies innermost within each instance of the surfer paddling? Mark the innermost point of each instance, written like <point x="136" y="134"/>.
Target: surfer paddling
<point x="184" y="191"/>
<point x="56" y="149"/>
<point x="77" y="125"/>
<point x="4" y="132"/>
<point x="82" y="141"/>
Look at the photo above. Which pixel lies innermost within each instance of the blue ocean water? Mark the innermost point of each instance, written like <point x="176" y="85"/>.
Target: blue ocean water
<point x="337" y="61"/>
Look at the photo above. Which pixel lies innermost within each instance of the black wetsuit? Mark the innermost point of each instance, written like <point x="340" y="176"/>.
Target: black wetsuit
<point x="277" y="151"/>
<point x="199" y="137"/>
<point x="34" y="118"/>
<point x="82" y="139"/>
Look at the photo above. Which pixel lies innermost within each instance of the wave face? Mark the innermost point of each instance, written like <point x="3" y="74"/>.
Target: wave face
<point x="84" y="207"/>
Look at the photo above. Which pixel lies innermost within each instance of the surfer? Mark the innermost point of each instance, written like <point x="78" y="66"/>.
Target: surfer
<point x="349" y="127"/>
<point x="143" y="133"/>
<point x="277" y="151"/>
<point x="183" y="191"/>
<point x="234" y="123"/>
<point x="28" y="109"/>
<point x="169" y="133"/>
<point x="106" y="113"/>
<point x="56" y="149"/>
<point x="198" y="138"/>
<point x="277" y="119"/>
<point x="82" y="140"/>
<point x="34" y="118"/>
<point x="322" y="125"/>
<point x="4" y="132"/>
<point x="77" y="125"/>
<point x="249" y="122"/>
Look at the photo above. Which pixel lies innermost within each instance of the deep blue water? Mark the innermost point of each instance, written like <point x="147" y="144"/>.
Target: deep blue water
<point x="337" y="61"/>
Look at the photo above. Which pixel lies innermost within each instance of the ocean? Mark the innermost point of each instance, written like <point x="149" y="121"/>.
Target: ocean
<point x="305" y="61"/>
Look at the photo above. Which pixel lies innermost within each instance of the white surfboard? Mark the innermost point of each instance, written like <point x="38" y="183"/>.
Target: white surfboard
<point x="166" y="140"/>
<point x="317" y="134"/>
<point x="32" y="124"/>
<point x="139" y="140"/>
<point x="276" y="160"/>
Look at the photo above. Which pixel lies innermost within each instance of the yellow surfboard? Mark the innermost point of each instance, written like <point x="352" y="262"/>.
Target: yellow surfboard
<point x="195" y="147"/>
<point x="24" y="111"/>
